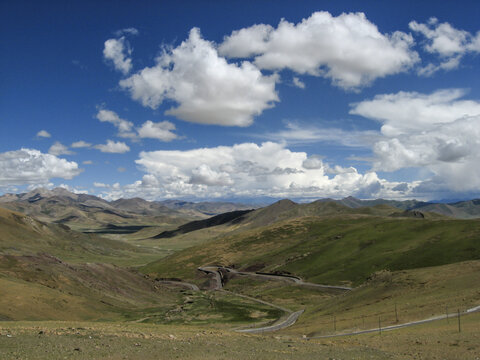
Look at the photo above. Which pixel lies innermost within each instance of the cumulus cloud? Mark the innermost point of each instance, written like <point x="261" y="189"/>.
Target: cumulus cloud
<point x="438" y="132"/>
<point x="124" y="127"/>
<point x="404" y="112"/>
<point x="80" y="144"/>
<point x="59" y="149"/>
<point x="116" y="147"/>
<point x="207" y="89"/>
<point x="43" y="133"/>
<point x="247" y="170"/>
<point x="247" y="42"/>
<point x="30" y="166"/>
<point x="449" y="43"/>
<point x="118" y="52"/>
<point x="348" y="49"/>
<point x="313" y="162"/>
<point x="161" y="130"/>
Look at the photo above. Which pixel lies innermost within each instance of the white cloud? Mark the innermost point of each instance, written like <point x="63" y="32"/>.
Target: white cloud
<point x="116" y="147"/>
<point x="300" y="133"/>
<point x="298" y="83"/>
<point x="438" y="132"/>
<point x="161" y="130"/>
<point x="100" y="185"/>
<point x="475" y="43"/>
<point x="246" y="170"/>
<point x="445" y="41"/>
<point x="73" y="189"/>
<point x="246" y="42"/>
<point x="313" y="162"/>
<point x="405" y="112"/>
<point x="80" y="144"/>
<point x="443" y="38"/>
<point x="118" y="51"/>
<point x="348" y="48"/>
<point x="29" y="166"/>
<point x="44" y="133"/>
<point x="87" y="162"/>
<point x="124" y="127"/>
<point x="59" y="149"/>
<point x="204" y="175"/>
<point x="207" y="88"/>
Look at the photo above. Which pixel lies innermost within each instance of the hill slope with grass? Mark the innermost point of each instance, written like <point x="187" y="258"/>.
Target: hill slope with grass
<point x="344" y="246"/>
<point x="21" y="234"/>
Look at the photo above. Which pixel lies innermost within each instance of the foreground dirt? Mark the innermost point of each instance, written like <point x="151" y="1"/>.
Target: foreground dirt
<point x="60" y="340"/>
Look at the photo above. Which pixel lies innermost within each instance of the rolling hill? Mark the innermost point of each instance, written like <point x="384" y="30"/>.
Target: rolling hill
<point x="469" y="209"/>
<point x="330" y="243"/>
<point x="21" y="234"/>
<point x="88" y="212"/>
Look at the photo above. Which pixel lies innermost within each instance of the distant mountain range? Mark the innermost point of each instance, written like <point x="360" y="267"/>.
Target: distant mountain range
<point x="469" y="209"/>
<point x="207" y="208"/>
<point x="81" y="211"/>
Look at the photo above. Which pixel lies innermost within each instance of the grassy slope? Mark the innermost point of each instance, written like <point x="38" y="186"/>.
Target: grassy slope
<point x="21" y="235"/>
<point x="45" y="288"/>
<point x="417" y="294"/>
<point x="333" y="250"/>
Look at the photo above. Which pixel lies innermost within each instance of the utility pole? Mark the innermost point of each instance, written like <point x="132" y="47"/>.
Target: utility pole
<point x="379" y="326"/>
<point x="446" y="312"/>
<point x="459" y="328"/>
<point x="396" y="314"/>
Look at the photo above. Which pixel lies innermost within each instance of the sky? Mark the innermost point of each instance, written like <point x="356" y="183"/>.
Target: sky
<point x="241" y="100"/>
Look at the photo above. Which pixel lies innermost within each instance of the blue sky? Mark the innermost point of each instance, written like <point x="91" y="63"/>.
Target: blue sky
<point x="241" y="99"/>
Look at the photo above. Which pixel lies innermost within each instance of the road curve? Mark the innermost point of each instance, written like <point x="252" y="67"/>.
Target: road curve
<point x="180" y="283"/>
<point x="289" y="321"/>
<point x="399" y="326"/>
<point x="294" y="279"/>
<point x="218" y="275"/>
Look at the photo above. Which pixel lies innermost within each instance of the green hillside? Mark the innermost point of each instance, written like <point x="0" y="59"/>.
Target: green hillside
<point x="23" y="235"/>
<point x="334" y="249"/>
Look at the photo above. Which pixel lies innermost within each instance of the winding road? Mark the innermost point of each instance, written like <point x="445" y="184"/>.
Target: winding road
<point x="281" y="324"/>
<point x="180" y="283"/>
<point x="218" y="275"/>
<point x="399" y="326"/>
<point x="293" y="279"/>
<point x="293" y="316"/>
<point x="290" y="320"/>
